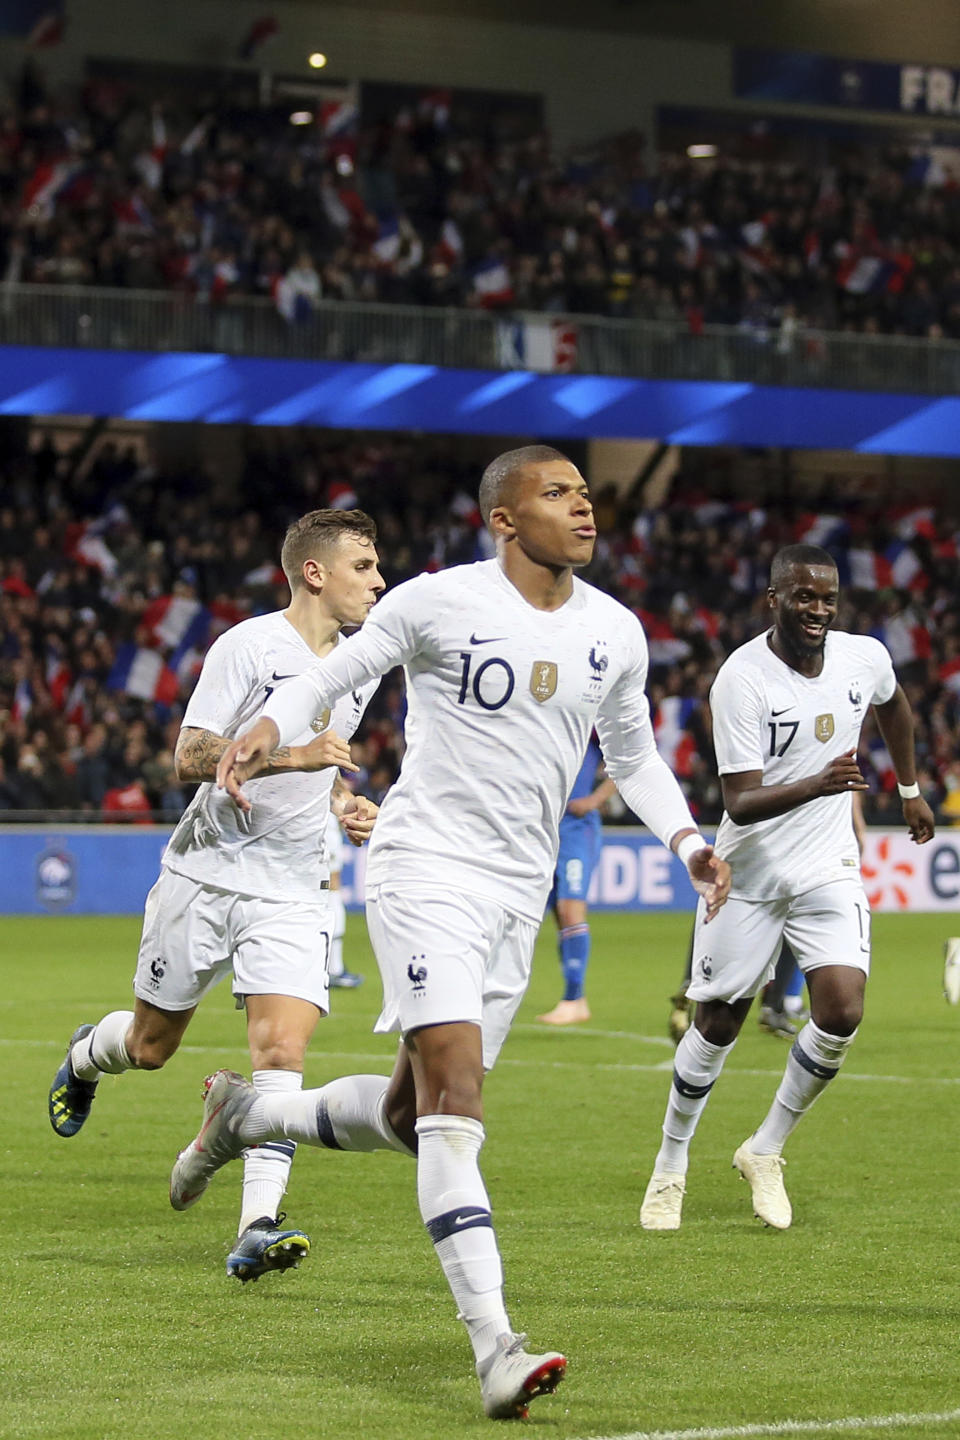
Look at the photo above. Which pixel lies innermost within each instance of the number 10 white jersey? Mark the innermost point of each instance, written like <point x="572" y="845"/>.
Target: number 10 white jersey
<point x="502" y="698"/>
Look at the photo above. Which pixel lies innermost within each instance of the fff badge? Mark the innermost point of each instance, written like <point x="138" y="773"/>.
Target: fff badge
<point x="55" y="877"/>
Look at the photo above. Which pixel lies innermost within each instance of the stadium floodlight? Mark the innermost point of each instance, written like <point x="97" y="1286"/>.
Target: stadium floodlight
<point x="317" y="60"/>
<point x="301" y="117"/>
<point x="702" y="152"/>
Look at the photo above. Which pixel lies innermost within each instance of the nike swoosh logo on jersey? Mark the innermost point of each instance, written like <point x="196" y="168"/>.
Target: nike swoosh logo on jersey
<point x="775" y="713"/>
<point x="487" y="639"/>
<point x="275" y="676"/>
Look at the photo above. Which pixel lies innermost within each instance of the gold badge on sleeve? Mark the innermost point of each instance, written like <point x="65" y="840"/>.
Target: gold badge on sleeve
<point x="321" y="723"/>
<point x="823" y="728"/>
<point x="543" y="680"/>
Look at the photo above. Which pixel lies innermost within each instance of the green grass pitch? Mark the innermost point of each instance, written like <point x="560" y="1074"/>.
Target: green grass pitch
<point x="118" y="1320"/>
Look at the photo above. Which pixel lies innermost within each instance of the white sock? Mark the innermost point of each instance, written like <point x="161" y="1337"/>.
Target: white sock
<point x="814" y="1059"/>
<point x="347" y="1114"/>
<point x="338" y="925"/>
<point x="456" y="1211"/>
<point x="266" y="1168"/>
<point x="104" y="1050"/>
<point x="696" y="1066"/>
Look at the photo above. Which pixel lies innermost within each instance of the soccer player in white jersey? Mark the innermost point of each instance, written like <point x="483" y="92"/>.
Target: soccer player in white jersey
<point x="510" y="663"/>
<point x="249" y="892"/>
<point x="787" y="711"/>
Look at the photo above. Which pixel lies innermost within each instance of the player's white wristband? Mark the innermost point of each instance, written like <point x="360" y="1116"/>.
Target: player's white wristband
<point x="908" y="792"/>
<point x="688" y="846"/>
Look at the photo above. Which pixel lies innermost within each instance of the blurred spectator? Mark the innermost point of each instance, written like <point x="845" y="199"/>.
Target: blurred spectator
<point x="430" y="208"/>
<point x="112" y="586"/>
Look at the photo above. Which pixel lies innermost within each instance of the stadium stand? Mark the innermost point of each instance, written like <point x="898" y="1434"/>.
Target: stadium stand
<point x="114" y="581"/>
<point x="109" y="190"/>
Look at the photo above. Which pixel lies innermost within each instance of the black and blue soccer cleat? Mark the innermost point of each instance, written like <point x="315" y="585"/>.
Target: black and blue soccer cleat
<point x="70" y="1098"/>
<point x="264" y="1246"/>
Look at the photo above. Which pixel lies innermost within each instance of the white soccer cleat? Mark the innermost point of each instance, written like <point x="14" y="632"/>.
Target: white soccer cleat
<point x="951" y="970"/>
<point x="510" y="1378"/>
<point x="771" y="1203"/>
<point x="663" y="1202"/>
<point x="227" y="1099"/>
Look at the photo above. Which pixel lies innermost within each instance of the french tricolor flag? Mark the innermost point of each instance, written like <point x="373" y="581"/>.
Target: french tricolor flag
<point x="905" y="639"/>
<point x="47" y="184"/>
<point x="866" y="570"/>
<point x="22" y="700"/>
<point x="906" y="571"/>
<point x="176" y="623"/>
<point x="820" y="529"/>
<point x="492" y="282"/>
<point x="916" y="523"/>
<point x="142" y="673"/>
<point x="670" y="719"/>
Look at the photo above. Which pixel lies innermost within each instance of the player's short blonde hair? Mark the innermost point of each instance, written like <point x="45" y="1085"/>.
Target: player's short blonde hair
<point x="316" y="535"/>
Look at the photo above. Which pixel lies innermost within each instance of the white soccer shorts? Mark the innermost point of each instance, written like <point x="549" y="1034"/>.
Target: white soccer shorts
<point x="445" y="956"/>
<point x="194" y="935"/>
<point x="736" y="954"/>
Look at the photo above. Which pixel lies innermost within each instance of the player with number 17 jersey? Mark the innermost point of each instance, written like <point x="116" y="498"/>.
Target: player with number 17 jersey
<point x="768" y="716"/>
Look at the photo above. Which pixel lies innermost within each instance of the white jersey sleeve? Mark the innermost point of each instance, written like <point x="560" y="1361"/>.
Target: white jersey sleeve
<point x="630" y="751"/>
<point x="884" y="677"/>
<point x="737" y="706"/>
<point x="230" y="672"/>
<point x="397" y="628"/>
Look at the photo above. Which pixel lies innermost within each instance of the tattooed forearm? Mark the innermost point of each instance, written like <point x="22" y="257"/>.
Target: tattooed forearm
<point x="198" y="754"/>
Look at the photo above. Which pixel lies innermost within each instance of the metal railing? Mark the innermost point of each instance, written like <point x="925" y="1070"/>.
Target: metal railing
<point x="158" y="321"/>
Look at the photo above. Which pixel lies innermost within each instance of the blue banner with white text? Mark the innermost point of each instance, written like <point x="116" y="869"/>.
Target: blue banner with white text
<point x="108" y="871"/>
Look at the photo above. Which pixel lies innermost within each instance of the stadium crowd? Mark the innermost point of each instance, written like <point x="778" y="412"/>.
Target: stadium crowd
<point x="116" y="574"/>
<point x="226" y="201"/>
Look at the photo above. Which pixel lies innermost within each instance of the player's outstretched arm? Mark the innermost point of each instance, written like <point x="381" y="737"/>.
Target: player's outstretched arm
<point x="895" y="722"/>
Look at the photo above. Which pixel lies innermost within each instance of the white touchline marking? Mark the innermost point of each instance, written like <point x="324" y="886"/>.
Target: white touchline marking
<point x="661" y="1041"/>
<point x="848" y="1424"/>
<point x="385" y="1057"/>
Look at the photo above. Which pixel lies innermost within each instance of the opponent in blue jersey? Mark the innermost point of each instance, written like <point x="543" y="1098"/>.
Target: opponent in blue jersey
<point x="580" y="840"/>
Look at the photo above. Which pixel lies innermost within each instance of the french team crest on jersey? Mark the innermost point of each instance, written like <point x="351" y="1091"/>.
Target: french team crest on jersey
<point x="543" y="680"/>
<point x="321" y="723"/>
<point x="823" y="728"/>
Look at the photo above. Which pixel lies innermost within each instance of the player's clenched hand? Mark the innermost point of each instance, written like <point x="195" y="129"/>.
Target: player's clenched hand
<point x="711" y="878"/>
<point x="919" y="818"/>
<point x="358" y="817"/>
<point x="841" y="776"/>
<point x="328" y="749"/>
<point x="244" y="758"/>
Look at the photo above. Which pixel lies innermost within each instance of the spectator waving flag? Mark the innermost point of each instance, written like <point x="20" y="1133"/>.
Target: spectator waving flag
<point x="492" y="283"/>
<point x="176" y="623"/>
<point x="905" y="638"/>
<point x="822" y="530"/>
<point x="141" y="672"/>
<point x="670" y="719"/>
<point x="50" y="182"/>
